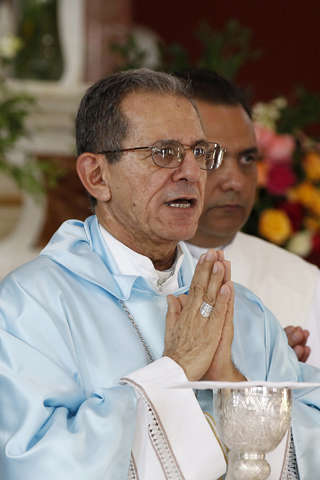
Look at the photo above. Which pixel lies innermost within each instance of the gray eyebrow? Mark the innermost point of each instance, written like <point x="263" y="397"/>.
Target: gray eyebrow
<point x="193" y="144"/>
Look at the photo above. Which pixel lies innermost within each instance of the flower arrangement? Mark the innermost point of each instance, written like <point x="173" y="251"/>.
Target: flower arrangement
<point x="287" y="207"/>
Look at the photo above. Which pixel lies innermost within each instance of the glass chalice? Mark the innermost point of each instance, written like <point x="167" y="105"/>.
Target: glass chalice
<point x="252" y="422"/>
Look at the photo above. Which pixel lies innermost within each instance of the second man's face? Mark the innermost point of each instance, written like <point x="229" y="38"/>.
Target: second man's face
<point x="230" y="190"/>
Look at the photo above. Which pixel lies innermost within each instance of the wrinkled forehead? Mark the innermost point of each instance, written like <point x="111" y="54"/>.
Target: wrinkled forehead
<point x="155" y="116"/>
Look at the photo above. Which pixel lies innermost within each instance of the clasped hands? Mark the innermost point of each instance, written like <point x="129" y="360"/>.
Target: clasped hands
<point x="202" y="346"/>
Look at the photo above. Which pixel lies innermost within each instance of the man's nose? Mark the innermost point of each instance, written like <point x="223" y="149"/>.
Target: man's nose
<point x="189" y="169"/>
<point x="231" y="176"/>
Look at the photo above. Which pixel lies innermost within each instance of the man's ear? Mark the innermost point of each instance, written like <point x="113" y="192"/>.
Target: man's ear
<point x="92" y="169"/>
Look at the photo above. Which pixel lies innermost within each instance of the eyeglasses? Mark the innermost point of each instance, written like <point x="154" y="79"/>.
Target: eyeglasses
<point x="170" y="154"/>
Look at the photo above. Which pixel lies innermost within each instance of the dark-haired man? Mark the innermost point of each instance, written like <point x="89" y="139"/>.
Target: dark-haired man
<point x="288" y="285"/>
<point x="105" y="303"/>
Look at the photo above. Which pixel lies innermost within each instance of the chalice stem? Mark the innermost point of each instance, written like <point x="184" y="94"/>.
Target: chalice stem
<point x="251" y="466"/>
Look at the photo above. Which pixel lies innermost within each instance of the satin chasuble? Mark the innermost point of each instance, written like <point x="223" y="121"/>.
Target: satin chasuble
<point x="66" y="342"/>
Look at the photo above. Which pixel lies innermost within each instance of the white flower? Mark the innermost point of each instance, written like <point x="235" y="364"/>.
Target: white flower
<point x="300" y="243"/>
<point x="267" y="114"/>
<point x="9" y="46"/>
<point x="280" y="103"/>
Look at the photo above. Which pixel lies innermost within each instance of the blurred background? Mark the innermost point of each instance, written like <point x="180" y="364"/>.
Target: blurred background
<point x="286" y="33"/>
<point x="52" y="50"/>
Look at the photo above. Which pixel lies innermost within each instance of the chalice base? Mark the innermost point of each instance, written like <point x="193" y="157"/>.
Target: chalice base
<point x="251" y="466"/>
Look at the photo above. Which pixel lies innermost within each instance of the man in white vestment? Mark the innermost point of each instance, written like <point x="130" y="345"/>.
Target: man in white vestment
<point x="114" y="311"/>
<point x="288" y="285"/>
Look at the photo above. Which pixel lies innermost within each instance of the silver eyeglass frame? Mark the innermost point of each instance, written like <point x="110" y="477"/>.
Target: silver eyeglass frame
<point x="216" y="163"/>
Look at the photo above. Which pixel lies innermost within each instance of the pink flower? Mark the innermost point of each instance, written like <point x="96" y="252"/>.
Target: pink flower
<point x="264" y="136"/>
<point x="273" y="146"/>
<point x="280" y="178"/>
<point x="281" y="148"/>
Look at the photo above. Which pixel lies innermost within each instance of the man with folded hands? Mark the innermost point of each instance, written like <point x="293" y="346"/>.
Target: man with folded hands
<point x="113" y="311"/>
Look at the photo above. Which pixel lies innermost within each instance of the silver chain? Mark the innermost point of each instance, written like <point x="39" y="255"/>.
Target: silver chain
<point x="125" y="308"/>
<point x="135" y="326"/>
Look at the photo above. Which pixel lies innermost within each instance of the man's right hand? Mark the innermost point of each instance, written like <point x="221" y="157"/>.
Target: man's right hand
<point x="297" y="339"/>
<point x="192" y="340"/>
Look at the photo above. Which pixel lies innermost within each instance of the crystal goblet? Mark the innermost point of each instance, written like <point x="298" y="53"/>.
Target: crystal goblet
<point x="252" y="422"/>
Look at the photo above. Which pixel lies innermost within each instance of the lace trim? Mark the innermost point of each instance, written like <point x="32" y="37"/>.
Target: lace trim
<point x="293" y="473"/>
<point x="161" y="447"/>
<point x="158" y="439"/>
<point x="290" y="467"/>
<point x="133" y="473"/>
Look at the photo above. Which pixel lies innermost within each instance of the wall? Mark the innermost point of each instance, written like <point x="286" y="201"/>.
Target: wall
<point x="107" y="21"/>
<point x="286" y="31"/>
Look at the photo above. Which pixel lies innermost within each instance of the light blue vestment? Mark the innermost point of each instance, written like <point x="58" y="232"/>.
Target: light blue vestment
<point x="65" y="342"/>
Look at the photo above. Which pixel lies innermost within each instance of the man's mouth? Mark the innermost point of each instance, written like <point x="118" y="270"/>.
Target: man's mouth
<point x="181" y="203"/>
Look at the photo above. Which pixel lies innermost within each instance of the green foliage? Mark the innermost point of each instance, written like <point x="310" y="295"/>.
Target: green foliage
<point x="223" y="51"/>
<point x="14" y="108"/>
<point x="131" y="55"/>
<point x="40" y="56"/>
<point x="226" y="51"/>
<point x="303" y="111"/>
<point x="174" y="57"/>
<point x="30" y="176"/>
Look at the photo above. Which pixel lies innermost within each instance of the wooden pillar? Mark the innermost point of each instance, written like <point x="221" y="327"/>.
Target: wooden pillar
<point x="108" y="21"/>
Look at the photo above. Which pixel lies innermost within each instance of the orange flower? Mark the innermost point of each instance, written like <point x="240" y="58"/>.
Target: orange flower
<point x="262" y="170"/>
<point x="305" y="193"/>
<point x="315" y="208"/>
<point x="311" y="165"/>
<point x="311" y="224"/>
<point x="275" y="226"/>
<point x="308" y="195"/>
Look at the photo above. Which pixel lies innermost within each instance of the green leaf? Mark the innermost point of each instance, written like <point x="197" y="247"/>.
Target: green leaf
<point x="224" y="51"/>
<point x="302" y="111"/>
<point x="30" y="176"/>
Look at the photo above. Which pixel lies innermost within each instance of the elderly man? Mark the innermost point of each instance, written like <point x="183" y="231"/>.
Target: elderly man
<point x="96" y="328"/>
<point x="288" y="285"/>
